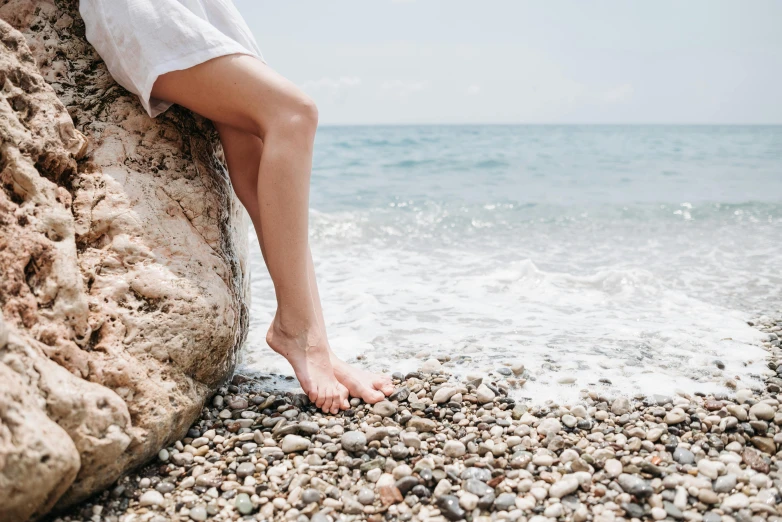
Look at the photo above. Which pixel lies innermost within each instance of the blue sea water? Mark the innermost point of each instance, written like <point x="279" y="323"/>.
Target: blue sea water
<point x="631" y="254"/>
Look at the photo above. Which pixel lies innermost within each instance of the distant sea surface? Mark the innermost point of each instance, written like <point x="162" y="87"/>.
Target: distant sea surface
<point x="626" y="259"/>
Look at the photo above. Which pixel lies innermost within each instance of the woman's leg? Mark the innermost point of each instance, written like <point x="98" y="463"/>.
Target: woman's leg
<point x="244" y="93"/>
<point x="243" y="155"/>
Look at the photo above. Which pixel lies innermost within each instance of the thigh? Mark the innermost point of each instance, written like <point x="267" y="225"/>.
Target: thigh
<point x="237" y="90"/>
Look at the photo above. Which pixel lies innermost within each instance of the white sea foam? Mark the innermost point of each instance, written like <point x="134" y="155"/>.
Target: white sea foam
<point x="484" y="302"/>
<point x="632" y="254"/>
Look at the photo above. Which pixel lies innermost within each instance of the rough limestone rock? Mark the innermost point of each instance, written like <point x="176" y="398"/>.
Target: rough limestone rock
<point x="123" y="278"/>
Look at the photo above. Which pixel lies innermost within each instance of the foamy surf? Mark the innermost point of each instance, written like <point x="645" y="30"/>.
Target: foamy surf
<point x="608" y="286"/>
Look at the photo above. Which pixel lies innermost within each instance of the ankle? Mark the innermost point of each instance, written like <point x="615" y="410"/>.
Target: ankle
<point x="302" y="331"/>
<point x="293" y="325"/>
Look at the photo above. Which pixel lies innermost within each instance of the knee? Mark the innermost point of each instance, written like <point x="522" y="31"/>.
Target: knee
<point x="298" y="118"/>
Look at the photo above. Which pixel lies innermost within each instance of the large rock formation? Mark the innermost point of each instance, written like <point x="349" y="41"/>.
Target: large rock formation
<point x="122" y="267"/>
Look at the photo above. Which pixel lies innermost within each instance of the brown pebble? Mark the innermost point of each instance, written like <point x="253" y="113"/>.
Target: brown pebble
<point x="713" y="405"/>
<point x="754" y="460"/>
<point x="390" y="495"/>
<point x="496" y="481"/>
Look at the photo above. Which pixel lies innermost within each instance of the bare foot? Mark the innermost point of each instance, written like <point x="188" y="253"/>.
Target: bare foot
<point x="309" y="355"/>
<point x="371" y="387"/>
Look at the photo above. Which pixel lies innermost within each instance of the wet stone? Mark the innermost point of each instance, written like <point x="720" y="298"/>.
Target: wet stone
<point x="243" y="504"/>
<point x="311" y="495"/>
<point x="405" y="484"/>
<point x="486" y="501"/>
<point x="354" y="441"/>
<point x="449" y="507"/>
<point x="482" y="474"/>
<point x="505" y="501"/>
<point x="245" y="469"/>
<point x="198" y="513"/>
<point x="683" y="455"/>
<point x="725" y="483"/>
<point x="366" y="496"/>
<point x="476" y="487"/>
<point x="633" y="510"/>
<point x="421" y="491"/>
<point x="635" y="485"/>
<point x="165" y="487"/>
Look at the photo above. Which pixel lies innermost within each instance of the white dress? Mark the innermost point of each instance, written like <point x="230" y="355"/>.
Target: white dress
<point x="141" y="39"/>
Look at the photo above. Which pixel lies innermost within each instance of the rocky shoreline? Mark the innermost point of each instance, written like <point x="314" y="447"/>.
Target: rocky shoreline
<point x="446" y="450"/>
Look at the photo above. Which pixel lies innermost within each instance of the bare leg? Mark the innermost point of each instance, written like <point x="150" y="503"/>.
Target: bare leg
<point x="244" y="93"/>
<point x="243" y="153"/>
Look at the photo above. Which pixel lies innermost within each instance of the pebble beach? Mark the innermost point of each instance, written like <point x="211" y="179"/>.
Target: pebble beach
<point x="446" y="449"/>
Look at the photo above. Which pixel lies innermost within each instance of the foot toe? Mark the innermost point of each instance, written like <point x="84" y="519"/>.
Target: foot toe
<point x="372" y="396"/>
<point x="320" y="398"/>
<point x="384" y="385"/>
<point x="344" y="404"/>
<point x="327" y="400"/>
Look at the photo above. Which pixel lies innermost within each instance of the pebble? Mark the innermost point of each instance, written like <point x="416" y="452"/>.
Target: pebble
<point x="554" y="511"/>
<point x="468" y="501"/>
<point x="366" y="496"/>
<point x="354" y="441"/>
<point x="725" y="483"/>
<point x="711" y="516"/>
<point x="635" y="485"/>
<point x="621" y="406"/>
<point x="295" y="443"/>
<point x="505" y="501"/>
<point x="245" y="469"/>
<point x="151" y="498"/>
<point x="564" y="486"/>
<point x="311" y="496"/>
<point x="476" y="487"/>
<point x="762" y="411"/>
<point x="243" y="504"/>
<point x="198" y="513"/>
<point x="454" y="449"/>
<point x="484" y="394"/>
<point x="400" y="394"/>
<point x="384" y="408"/>
<point x="550" y="426"/>
<point x="422" y="424"/>
<point x="675" y="416"/>
<point x="710" y="468"/>
<point x="613" y="467"/>
<point x="735" y="502"/>
<point x="410" y="439"/>
<point x="444" y="394"/>
<point x="430" y="366"/>
<point x="449" y="507"/>
<point x="683" y="455"/>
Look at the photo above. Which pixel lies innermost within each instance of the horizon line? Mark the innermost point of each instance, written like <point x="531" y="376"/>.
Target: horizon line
<point x="545" y="124"/>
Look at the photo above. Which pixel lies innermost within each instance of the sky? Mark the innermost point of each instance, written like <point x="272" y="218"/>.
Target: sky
<point x="518" y="61"/>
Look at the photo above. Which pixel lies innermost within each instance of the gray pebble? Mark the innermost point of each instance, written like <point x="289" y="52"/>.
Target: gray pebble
<point x="449" y="507"/>
<point x="635" y="485"/>
<point x="354" y="441"/>
<point x="505" y="501"/>
<point x="683" y="455"/>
